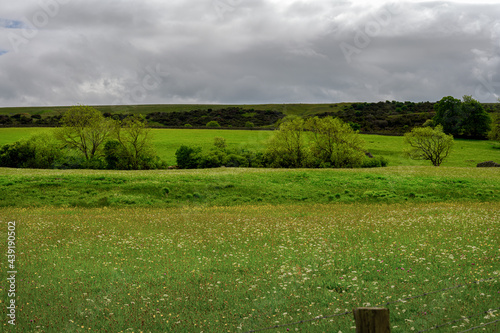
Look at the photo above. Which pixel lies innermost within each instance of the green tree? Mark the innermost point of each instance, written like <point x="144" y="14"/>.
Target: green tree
<point x="467" y="118"/>
<point x="334" y="143"/>
<point x="476" y="122"/>
<point x="494" y="133"/>
<point x="287" y="147"/>
<point x="135" y="139"/>
<point x="449" y="114"/>
<point x="85" y="129"/>
<point x="428" y="144"/>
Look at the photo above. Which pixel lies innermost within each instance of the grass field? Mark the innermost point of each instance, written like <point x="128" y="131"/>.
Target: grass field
<point x="234" y="250"/>
<point x="467" y="153"/>
<point x="233" y="269"/>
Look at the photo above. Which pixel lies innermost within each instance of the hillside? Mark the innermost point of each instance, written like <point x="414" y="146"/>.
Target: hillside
<point x="389" y="117"/>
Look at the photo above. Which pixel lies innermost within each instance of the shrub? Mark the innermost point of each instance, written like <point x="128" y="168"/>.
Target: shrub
<point x="220" y="143"/>
<point x="38" y="152"/>
<point x="235" y="161"/>
<point x="188" y="157"/>
<point x="212" y="159"/>
<point x="375" y="162"/>
<point x="114" y="155"/>
<point x="213" y="123"/>
<point x="165" y="191"/>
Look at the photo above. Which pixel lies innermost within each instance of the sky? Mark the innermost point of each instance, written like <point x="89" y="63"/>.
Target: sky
<point x="114" y="52"/>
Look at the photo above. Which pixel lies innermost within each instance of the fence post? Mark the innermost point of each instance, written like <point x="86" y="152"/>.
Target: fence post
<point x="372" y="320"/>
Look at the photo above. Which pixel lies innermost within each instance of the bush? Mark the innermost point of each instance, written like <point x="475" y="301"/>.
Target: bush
<point x="38" y="152"/>
<point x="70" y="160"/>
<point x="188" y="157"/>
<point x="114" y="155"/>
<point x="212" y="159"/>
<point x="375" y="162"/>
<point x="213" y="124"/>
<point x="220" y="143"/>
<point x="235" y="161"/>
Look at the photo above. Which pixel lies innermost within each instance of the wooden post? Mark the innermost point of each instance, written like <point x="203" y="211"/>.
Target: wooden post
<point x="372" y="320"/>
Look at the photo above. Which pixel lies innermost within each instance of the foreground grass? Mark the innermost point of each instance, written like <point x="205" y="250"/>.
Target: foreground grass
<point x="229" y="187"/>
<point x="227" y="269"/>
<point x="466" y="153"/>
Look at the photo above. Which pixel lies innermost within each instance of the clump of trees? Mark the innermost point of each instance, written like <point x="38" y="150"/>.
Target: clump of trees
<point x="317" y="143"/>
<point x="86" y="139"/>
<point x="297" y="143"/>
<point x="466" y="118"/>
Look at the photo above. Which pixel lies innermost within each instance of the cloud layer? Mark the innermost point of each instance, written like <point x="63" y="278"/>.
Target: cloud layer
<point x="65" y="52"/>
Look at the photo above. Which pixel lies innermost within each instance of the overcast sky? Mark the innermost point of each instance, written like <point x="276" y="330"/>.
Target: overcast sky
<point x="66" y="52"/>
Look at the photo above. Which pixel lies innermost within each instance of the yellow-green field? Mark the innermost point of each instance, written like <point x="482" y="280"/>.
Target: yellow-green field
<point x="234" y="269"/>
<point x="236" y="250"/>
<point x="466" y="153"/>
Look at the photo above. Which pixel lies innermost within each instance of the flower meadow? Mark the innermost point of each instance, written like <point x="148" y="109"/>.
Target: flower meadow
<point x="243" y="268"/>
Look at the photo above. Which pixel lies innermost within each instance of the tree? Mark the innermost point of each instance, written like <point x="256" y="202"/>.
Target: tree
<point x="334" y="143"/>
<point x="84" y="129"/>
<point x="477" y="122"/>
<point x="467" y="118"/>
<point x="428" y="144"/>
<point x="449" y="114"/>
<point x="494" y="134"/>
<point x="134" y="137"/>
<point x="287" y="148"/>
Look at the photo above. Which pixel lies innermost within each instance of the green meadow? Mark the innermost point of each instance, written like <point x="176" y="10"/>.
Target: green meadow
<point x="466" y="153"/>
<point x="238" y="250"/>
<point x="247" y="267"/>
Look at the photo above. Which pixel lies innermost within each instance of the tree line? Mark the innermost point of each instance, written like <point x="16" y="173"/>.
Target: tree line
<point x="297" y="143"/>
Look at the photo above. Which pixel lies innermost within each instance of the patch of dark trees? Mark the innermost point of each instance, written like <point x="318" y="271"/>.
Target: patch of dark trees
<point x="389" y="117"/>
<point x="227" y="117"/>
<point x="27" y="120"/>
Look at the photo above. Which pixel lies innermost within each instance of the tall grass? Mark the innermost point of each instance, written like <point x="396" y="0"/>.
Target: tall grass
<point x="227" y="269"/>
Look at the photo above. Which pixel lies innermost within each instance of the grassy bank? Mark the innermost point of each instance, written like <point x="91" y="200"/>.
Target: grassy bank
<point x="227" y="269"/>
<point x="226" y="186"/>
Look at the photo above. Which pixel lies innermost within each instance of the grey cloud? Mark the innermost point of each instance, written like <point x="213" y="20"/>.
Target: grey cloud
<point x="239" y="51"/>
